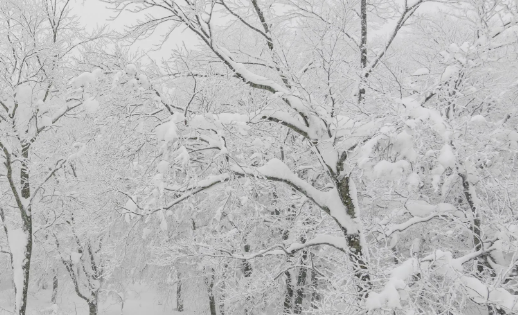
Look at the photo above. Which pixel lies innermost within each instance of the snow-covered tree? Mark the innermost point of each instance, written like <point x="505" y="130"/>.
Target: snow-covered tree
<point x="38" y="39"/>
<point x="380" y="110"/>
<point x="302" y="156"/>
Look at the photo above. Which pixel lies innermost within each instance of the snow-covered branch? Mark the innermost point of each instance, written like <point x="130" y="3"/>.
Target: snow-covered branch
<point x="319" y="240"/>
<point x="58" y="166"/>
<point x="390" y="229"/>
<point x="199" y="187"/>
<point x="443" y="264"/>
<point x="329" y="201"/>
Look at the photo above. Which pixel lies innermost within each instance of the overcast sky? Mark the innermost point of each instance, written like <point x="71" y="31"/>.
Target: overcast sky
<point x="94" y="13"/>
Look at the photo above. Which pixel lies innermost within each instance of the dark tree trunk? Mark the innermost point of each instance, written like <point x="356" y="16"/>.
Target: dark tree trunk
<point x="301" y="281"/>
<point x="26" y="225"/>
<point x="475" y="228"/>
<point x="222" y="296"/>
<point x="315" y="296"/>
<point x="363" y="44"/>
<point x="247" y="271"/>
<point x="363" y="50"/>
<point x="92" y="308"/>
<point x="209" y="281"/>
<point x="288" y="298"/>
<point x="247" y="268"/>
<point x="179" y="296"/>
<point x="481" y="262"/>
<point x="356" y="255"/>
<point x="26" y="266"/>
<point x="492" y="310"/>
<point x="54" y="288"/>
<point x="212" y="305"/>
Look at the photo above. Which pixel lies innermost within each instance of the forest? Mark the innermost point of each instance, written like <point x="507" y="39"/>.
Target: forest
<point x="349" y="157"/>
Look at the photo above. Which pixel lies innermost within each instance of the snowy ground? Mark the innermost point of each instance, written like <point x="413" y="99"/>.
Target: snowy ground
<point x="140" y="301"/>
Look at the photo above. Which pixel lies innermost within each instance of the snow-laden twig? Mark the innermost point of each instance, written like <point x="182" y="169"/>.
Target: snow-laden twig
<point x="59" y="164"/>
<point x="443" y="264"/>
<point x="319" y="240"/>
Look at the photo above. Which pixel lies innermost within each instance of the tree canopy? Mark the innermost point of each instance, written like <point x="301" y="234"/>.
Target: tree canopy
<point x="302" y="157"/>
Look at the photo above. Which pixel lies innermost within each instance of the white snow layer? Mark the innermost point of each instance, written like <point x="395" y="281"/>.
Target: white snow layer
<point x="450" y="72"/>
<point x="167" y="132"/>
<point x="45" y="121"/>
<point x="447" y="157"/>
<point x="420" y="114"/>
<point x="421" y="208"/>
<point x="403" y="144"/>
<point x="478" y="119"/>
<point x="86" y="78"/>
<point x="335" y="241"/>
<point x="75" y="257"/>
<point x="421" y="71"/>
<point x="17" y="244"/>
<point x="131" y="69"/>
<point x="91" y="105"/>
<point x="329" y="200"/>
<point x="391" y="171"/>
<point x="163" y="167"/>
<point x="443" y="264"/>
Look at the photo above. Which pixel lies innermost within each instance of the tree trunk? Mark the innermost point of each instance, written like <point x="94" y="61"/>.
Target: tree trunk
<point x="481" y="262"/>
<point x="492" y="310"/>
<point x="247" y="268"/>
<point x="315" y="296"/>
<point x="356" y="254"/>
<point x="475" y="228"/>
<point x="247" y="271"/>
<point x="363" y="50"/>
<point x="301" y="281"/>
<point x="363" y="44"/>
<point x="54" y="287"/>
<point x="179" y="297"/>
<point x="210" y="290"/>
<point x="25" y="211"/>
<point x="21" y="306"/>
<point x="212" y="305"/>
<point x="92" y="308"/>
<point x="222" y="296"/>
<point x="288" y="297"/>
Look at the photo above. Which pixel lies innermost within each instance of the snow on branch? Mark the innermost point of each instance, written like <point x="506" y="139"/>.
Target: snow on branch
<point x="442" y="264"/>
<point x="409" y="10"/>
<point x="329" y="201"/>
<point x="391" y="229"/>
<point x="421" y="212"/>
<point x="276" y="170"/>
<point x="60" y="113"/>
<point x="337" y="242"/>
<point x="59" y="164"/>
<point x="329" y="240"/>
<point x="286" y="119"/>
<point x="198" y="187"/>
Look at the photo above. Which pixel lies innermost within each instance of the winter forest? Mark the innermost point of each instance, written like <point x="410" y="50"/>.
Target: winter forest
<point x="259" y="157"/>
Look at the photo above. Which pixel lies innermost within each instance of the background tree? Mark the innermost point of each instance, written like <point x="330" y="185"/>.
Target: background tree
<point x="38" y="39"/>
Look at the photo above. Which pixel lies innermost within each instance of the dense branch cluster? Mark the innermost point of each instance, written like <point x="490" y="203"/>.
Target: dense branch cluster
<point x="303" y="156"/>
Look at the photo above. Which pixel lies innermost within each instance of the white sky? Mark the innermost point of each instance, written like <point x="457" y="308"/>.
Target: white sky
<point x="94" y="13"/>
